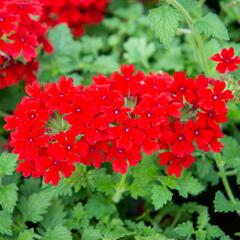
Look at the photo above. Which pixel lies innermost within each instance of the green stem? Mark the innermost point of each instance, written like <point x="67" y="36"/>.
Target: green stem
<point x="3" y="114"/>
<point x="176" y="219"/>
<point x="195" y="32"/>
<point x="222" y="173"/>
<point x="120" y="189"/>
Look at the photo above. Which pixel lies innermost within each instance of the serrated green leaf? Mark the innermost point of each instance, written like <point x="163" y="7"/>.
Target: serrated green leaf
<point x="8" y="162"/>
<point x="143" y="178"/>
<point x="5" y="223"/>
<point x="221" y="204"/>
<point x="57" y="233"/>
<point x="160" y="196"/>
<point x="164" y="22"/>
<point x="214" y="231"/>
<point x="8" y="196"/>
<point x="230" y="153"/>
<point x="26" y="235"/>
<point x="155" y="236"/>
<point x="65" y="57"/>
<point x="35" y="206"/>
<point x="188" y="184"/>
<point x="211" y="25"/>
<point x="138" y="50"/>
<point x="91" y="234"/>
<point x="98" y="207"/>
<point x="203" y="219"/>
<point x="55" y="215"/>
<point x="185" y="229"/>
<point x="102" y="181"/>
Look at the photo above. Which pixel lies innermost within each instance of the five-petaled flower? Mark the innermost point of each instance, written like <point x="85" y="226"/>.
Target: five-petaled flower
<point x="226" y="60"/>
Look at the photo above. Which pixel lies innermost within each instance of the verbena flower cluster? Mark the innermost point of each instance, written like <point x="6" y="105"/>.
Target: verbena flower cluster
<point x="20" y="36"/>
<point x="77" y="14"/>
<point x="116" y="119"/>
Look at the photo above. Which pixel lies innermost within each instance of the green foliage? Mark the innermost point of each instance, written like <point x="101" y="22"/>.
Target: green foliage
<point x="98" y="207"/>
<point x="8" y="196"/>
<point x="26" y="235"/>
<point x="164" y="22"/>
<point x="5" y="223"/>
<point x="35" y="206"/>
<point x="8" y="163"/>
<point x="138" y="51"/>
<point x="57" y="233"/>
<point x="185" y="229"/>
<point x="160" y="196"/>
<point x="212" y="26"/>
<point x="65" y="56"/>
<point x="81" y="207"/>
<point x="221" y="204"/>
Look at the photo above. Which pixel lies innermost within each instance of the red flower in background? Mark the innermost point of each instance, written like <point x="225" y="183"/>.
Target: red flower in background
<point x="23" y="34"/>
<point x="77" y="14"/>
<point x="226" y="60"/>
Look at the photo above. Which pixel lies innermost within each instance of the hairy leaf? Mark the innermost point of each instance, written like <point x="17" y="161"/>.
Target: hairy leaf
<point x="35" y="206"/>
<point x="221" y="204"/>
<point x="212" y="26"/>
<point x="8" y="196"/>
<point x="160" y="196"/>
<point x="5" y="223"/>
<point x="8" y="162"/>
<point x="164" y="22"/>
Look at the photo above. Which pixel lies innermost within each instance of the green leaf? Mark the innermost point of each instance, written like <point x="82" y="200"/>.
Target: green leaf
<point x="211" y="25"/>
<point x="221" y="204"/>
<point x="138" y="50"/>
<point x="5" y="223"/>
<point x="105" y="64"/>
<point x="102" y="181"/>
<point x="160" y="196"/>
<point x="26" y="235"/>
<point x="153" y="237"/>
<point x="188" y="184"/>
<point x="65" y="57"/>
<point x="214" y="231"/>
<point x="57" y="233"/>
<point x="230" y="153"/>
<point x="203" y="219"/>
<point x="8" y="162"/>
<point x="98" y="207"/>
<point x="55" y="216"/>
<point x="91" y="234"/>
<point x="91" y="45"/>
<point x="143" y="178"/>
<point x="8" y="196"/>
<point x="164" y="22"/>
<point x="35" y="206"/>
<point x="185" y="229"/>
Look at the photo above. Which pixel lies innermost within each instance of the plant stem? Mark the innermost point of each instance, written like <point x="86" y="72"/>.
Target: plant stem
<point x="120" y="189"/>
<point x="3" y="114"/>
<point x="176" y="219"/>
<point x="222" y="173"/>
<point x="195" y="32"/>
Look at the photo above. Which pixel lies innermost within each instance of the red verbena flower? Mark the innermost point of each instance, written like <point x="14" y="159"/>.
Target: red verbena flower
<point x="226" y="60"/>
<point x="115" y="120"/>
